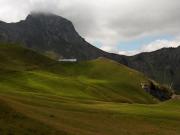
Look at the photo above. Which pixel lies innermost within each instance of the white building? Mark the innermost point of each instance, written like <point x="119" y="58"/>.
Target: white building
<point x="68" y="60"/>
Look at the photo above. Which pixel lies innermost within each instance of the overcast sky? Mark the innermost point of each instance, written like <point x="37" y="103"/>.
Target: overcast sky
<point x="120" y="26"/>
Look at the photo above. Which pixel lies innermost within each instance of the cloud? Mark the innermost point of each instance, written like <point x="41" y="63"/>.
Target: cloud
<point x="153" y="46"/>
<point x="158" y="44"/>
<point x="12" y="11"/>
<point x="129" y="53"/>
<point x="106" y="21"/>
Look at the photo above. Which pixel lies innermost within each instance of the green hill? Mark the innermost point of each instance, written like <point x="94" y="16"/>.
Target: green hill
<point x="40" y="96"/>
<point x="101" y="79"/>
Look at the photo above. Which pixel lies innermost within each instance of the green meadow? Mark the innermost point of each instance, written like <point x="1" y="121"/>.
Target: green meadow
<point x="41" y="96"/>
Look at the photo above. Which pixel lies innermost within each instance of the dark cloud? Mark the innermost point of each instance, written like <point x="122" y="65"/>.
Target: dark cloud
<point x="160" y="17"/>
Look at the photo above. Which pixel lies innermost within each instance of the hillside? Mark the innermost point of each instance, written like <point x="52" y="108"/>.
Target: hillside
<point x="41" y="96"/>
<point x="45" y="114"/>
<point x="100" y="79"/>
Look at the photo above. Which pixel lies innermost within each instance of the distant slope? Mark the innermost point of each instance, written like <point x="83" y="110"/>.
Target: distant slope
<point x="16" y="58"/>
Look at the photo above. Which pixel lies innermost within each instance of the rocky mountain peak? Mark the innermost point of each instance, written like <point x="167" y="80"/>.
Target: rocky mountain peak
<point x="55" y="25"/>
<point x="49" y="33"/>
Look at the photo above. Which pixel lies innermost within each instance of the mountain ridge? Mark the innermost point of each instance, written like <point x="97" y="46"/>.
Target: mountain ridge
<point x="57" y="38"/>
<point x="44" y="33"/>
<point x="161" y="65"/>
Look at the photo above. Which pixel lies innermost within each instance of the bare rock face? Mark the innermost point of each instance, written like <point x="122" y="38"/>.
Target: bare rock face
<point x="55" y="26"/>
<point x="161" y="92"/>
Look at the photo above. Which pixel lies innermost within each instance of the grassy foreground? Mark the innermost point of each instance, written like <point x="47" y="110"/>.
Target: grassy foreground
<point x="49" y="115"/>
<point x="42" y="97"/>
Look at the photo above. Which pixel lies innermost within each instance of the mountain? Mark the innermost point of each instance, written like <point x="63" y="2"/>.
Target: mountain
<point x="49" y="34"/>
<point x="57" y="38"/>
<point x="162" y="65"/>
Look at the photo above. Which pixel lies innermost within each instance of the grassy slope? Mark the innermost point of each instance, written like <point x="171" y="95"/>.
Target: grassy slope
<point x="101" y="118"/>
<point x="78" y="98"/>
<point x="101" y="79"/>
